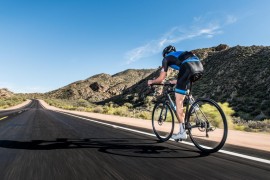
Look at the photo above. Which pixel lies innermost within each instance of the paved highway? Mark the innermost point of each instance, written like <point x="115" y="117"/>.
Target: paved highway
<point x="36" y="143"/>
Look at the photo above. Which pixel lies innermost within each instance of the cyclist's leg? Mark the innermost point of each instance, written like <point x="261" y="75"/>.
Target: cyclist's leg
<point x="179" y="99"/>
<point x="180" y="91"/>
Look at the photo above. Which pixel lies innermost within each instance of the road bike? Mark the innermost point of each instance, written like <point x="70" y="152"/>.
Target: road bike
<point x="205" y="121"/>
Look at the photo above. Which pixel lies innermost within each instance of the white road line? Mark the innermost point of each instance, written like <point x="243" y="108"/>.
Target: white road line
<point x="188" y="143"/>
<point x="3" y="118"/>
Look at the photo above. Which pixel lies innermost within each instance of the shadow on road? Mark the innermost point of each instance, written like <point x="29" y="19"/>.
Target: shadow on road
<point x="122" y="147"/>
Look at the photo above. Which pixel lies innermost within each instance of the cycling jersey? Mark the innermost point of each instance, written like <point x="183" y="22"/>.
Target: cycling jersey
<point x="187" y="64"/>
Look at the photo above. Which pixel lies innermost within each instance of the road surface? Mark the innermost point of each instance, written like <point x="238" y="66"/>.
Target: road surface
<point x="36" y="143"/>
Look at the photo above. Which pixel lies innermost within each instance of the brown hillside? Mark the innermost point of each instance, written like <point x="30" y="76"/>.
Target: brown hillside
<point x="5" y="93"/>
<point x="101" y="86"/>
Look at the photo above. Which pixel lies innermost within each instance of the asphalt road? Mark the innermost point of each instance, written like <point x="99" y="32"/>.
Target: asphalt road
<point x="36" y="143"/>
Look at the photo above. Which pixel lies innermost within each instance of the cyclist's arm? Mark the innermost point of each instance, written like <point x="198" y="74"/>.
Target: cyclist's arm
<point x="162" y="74"/>
<point x="159" y="80"/>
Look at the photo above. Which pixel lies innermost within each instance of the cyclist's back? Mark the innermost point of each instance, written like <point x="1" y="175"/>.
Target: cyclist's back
<point x="186" y="63"/>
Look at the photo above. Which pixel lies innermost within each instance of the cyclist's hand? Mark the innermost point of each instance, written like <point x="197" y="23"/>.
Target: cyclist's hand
<point x="149" y="82"/>
<point x="173" y="82"/>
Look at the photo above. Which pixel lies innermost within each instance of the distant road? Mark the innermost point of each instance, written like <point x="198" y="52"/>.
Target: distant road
<point x="36" y="143"/>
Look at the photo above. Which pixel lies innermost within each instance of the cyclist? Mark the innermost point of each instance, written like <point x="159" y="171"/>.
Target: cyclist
<point x="189" y="66"/>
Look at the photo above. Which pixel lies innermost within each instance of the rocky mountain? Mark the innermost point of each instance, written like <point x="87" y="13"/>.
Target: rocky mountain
<point x="5" y="93"/>
<point x="102" y="86"/>
<point x="238" y="75"/>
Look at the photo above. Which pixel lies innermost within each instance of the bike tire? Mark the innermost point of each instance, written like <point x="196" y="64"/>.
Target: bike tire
<point x="162" y="126"/>
<point x="207" y="125"/>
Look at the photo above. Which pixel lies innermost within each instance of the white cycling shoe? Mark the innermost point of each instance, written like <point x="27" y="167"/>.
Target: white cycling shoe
<point x="180" y="135"/>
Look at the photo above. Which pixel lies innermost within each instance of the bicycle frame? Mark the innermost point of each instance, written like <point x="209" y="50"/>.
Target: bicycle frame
<point x="173" y="107"/>
<point x="172" y="104"/>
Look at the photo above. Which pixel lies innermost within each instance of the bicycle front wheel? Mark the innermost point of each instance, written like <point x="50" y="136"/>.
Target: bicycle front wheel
<point x="207" y="125"/>
<point x="162" y="121"/>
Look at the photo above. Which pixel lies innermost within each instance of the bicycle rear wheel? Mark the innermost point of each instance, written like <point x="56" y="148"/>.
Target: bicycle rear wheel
<point x="162" y="121"/>
<point x="207" y="125"/>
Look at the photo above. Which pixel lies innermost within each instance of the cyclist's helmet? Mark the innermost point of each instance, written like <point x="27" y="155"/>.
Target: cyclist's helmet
<point x="168" y="49"/>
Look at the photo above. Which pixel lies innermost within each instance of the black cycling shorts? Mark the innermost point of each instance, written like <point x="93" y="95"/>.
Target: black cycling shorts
<point x="186" y="71"/>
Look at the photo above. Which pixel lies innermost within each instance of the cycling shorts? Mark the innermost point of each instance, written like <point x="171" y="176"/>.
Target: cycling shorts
<point x="187" y="70"/>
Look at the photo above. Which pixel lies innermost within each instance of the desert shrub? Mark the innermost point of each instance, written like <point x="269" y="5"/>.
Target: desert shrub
<point x="80" y="109"/>
<point x="128" y="105"/>
<point x="228" y="112"/>
<point x="68" y="107"/>
<point x="251" y="125"/>
<point x="12" y="101"/>
<point x="69" y="104"/>
<point x="121" y="111"/>
<point x="98" y="109"/>
<point x="148" y="101"/>
<point x="108" y="109"/>
<point x="211" y="111"/>
<point x="247" y="129"/>
<point x="240" y="127"/>
<point x="82" y="103"/>
<point x="144" y="115"/>
<point x="259" y="125"/>
<point x="2" y="103"/>
<point x="89" y="109"/>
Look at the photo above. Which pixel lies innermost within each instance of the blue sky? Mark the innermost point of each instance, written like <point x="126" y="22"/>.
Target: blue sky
<point x="45" y="45"/>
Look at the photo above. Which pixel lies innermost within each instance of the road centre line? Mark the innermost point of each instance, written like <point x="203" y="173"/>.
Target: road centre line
<point x="188" y="143"/>
<point x="3" y="118"/>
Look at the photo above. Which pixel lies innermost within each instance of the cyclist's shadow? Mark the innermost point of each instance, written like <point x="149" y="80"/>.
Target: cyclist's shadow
<point x="121" y="146"/>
